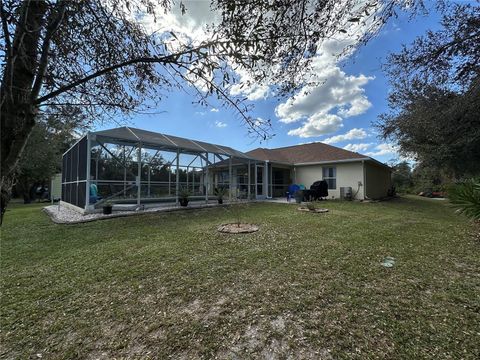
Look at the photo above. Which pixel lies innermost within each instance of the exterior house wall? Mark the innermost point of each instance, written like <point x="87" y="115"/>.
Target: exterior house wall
<point x="378" y="179"/>
<point x="348" y="174"/>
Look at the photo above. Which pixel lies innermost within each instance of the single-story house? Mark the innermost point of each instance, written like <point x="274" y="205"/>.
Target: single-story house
<point x="139" y="167"/>
<point x="276" y="169"/>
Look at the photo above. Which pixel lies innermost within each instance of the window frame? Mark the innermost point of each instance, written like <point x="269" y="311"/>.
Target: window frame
<point x="327" y="178"/>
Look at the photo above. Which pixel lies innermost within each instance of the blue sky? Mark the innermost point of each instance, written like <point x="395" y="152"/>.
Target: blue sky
<point x="346" y="124"/>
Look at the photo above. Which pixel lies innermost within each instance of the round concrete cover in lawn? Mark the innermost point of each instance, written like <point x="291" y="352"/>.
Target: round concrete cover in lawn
<point x="236" y="228"/>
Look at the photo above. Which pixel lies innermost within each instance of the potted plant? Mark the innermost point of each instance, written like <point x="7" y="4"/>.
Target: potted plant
<point x="183" y="196"/>
<point x="220" y="193"/>
<point x="299" y="196"/>
<point x="107" y="208"/>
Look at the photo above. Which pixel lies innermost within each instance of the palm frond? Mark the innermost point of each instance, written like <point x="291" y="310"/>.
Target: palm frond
<point x="466" y="198"/>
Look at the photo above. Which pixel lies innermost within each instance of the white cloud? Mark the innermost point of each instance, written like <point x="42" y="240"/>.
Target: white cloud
<point x="190" y="25"/>
<point x="353" y="134"/>
<point x="335" y="93"/>
<point x="384" y="149"/>
<point x="214" y="110"/>
<point x="318" y="124"/>
<point x="321" y="108"/>
<point x="247" y="87"/>
<point x="357" y="147"/>
<point x="335" y="89"/>
<point x="220" y="124"/>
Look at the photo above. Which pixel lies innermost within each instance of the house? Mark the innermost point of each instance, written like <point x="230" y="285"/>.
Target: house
<point x="138" y="168"/>
<point x="307" y="163"/>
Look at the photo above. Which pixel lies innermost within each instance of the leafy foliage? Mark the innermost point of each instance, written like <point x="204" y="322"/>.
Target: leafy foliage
<point x="311" y="206"/>
<point x="449" y="56"/>
<point x="96" y="57"/>
<point x="402" y="176"/>
<point x="220" y="192"/>
<point x="436" y="95"/>
<point x="42" y="156"/>
<point x="439" y="127"/>
<point x="184" y="193"/>
<point x="466" y="197"/>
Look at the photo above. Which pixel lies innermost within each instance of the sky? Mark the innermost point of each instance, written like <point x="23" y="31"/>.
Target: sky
<point x="339" y="112"/>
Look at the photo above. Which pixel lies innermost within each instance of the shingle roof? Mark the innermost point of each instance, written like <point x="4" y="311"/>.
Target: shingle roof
<point x="305" y="153"/>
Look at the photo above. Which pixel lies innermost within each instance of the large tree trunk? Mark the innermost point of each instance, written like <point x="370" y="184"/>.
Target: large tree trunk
<point x="17" y="108"/>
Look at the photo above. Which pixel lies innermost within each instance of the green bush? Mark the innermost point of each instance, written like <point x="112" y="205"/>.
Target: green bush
<point x="466" y="197"/>
<point x="311" y="206"/>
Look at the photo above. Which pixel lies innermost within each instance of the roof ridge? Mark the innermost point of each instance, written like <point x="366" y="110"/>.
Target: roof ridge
<point x="311" y="143"/>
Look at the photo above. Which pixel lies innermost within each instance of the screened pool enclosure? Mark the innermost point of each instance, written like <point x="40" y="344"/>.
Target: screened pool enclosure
<point x="134" y="168"/>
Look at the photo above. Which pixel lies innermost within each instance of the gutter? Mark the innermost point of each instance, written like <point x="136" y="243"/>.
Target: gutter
<point x="343" y="161"/>
<point x="332" y="161"/>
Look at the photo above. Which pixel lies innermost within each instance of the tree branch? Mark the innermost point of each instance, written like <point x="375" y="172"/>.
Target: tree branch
<point x="8" y="42"/>
<point x="172" y="58"/>
<point x="42" y="67"/>
<point x="163" y="59"/>
<point x="234" y="104"/>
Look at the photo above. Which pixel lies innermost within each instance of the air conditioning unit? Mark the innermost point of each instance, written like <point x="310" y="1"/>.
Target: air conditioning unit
<point x="346" y="193"/>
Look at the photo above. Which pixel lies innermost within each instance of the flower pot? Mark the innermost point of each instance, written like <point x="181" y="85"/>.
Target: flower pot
<point x="107" y="209"/>
<point x="183" y="202"/>
<point x="220" y="201"/>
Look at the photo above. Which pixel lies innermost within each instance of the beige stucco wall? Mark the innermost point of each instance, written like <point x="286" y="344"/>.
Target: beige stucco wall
<point x="378" y="180"/>
<point x="348" y="174"/>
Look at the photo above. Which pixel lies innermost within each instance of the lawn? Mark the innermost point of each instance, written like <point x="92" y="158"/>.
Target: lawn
<point x="304" y="286"/>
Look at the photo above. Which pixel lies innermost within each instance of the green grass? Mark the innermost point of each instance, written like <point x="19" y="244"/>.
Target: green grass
<point x="305" y="286"/>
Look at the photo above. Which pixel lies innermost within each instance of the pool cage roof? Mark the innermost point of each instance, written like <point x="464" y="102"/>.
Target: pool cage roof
<point x="77" y="161"/>
<point x="157" y="141"/>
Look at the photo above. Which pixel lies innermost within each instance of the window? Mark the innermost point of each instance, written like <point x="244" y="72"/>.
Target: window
<point x="223" y="177"/>
<point x="330" y="176"/>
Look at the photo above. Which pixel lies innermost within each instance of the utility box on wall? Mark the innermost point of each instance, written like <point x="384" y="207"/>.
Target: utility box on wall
<point x="346" y="193"/>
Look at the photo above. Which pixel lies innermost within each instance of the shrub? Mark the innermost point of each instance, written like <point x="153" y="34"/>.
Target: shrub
<point x="311" y="206"/>
<point x="184" y="193"/>
<point x="221" y="192"/>
<point x="466" y="198"/>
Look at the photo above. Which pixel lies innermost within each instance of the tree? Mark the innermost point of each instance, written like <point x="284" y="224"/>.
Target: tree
<point x="439" y="127"/>
<point x="449" y="57"/>
<point x="95" y="56"/>
<point x="435" y="96"/>
<point x="402" y="176"/>
<point x="42" y="156"/>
